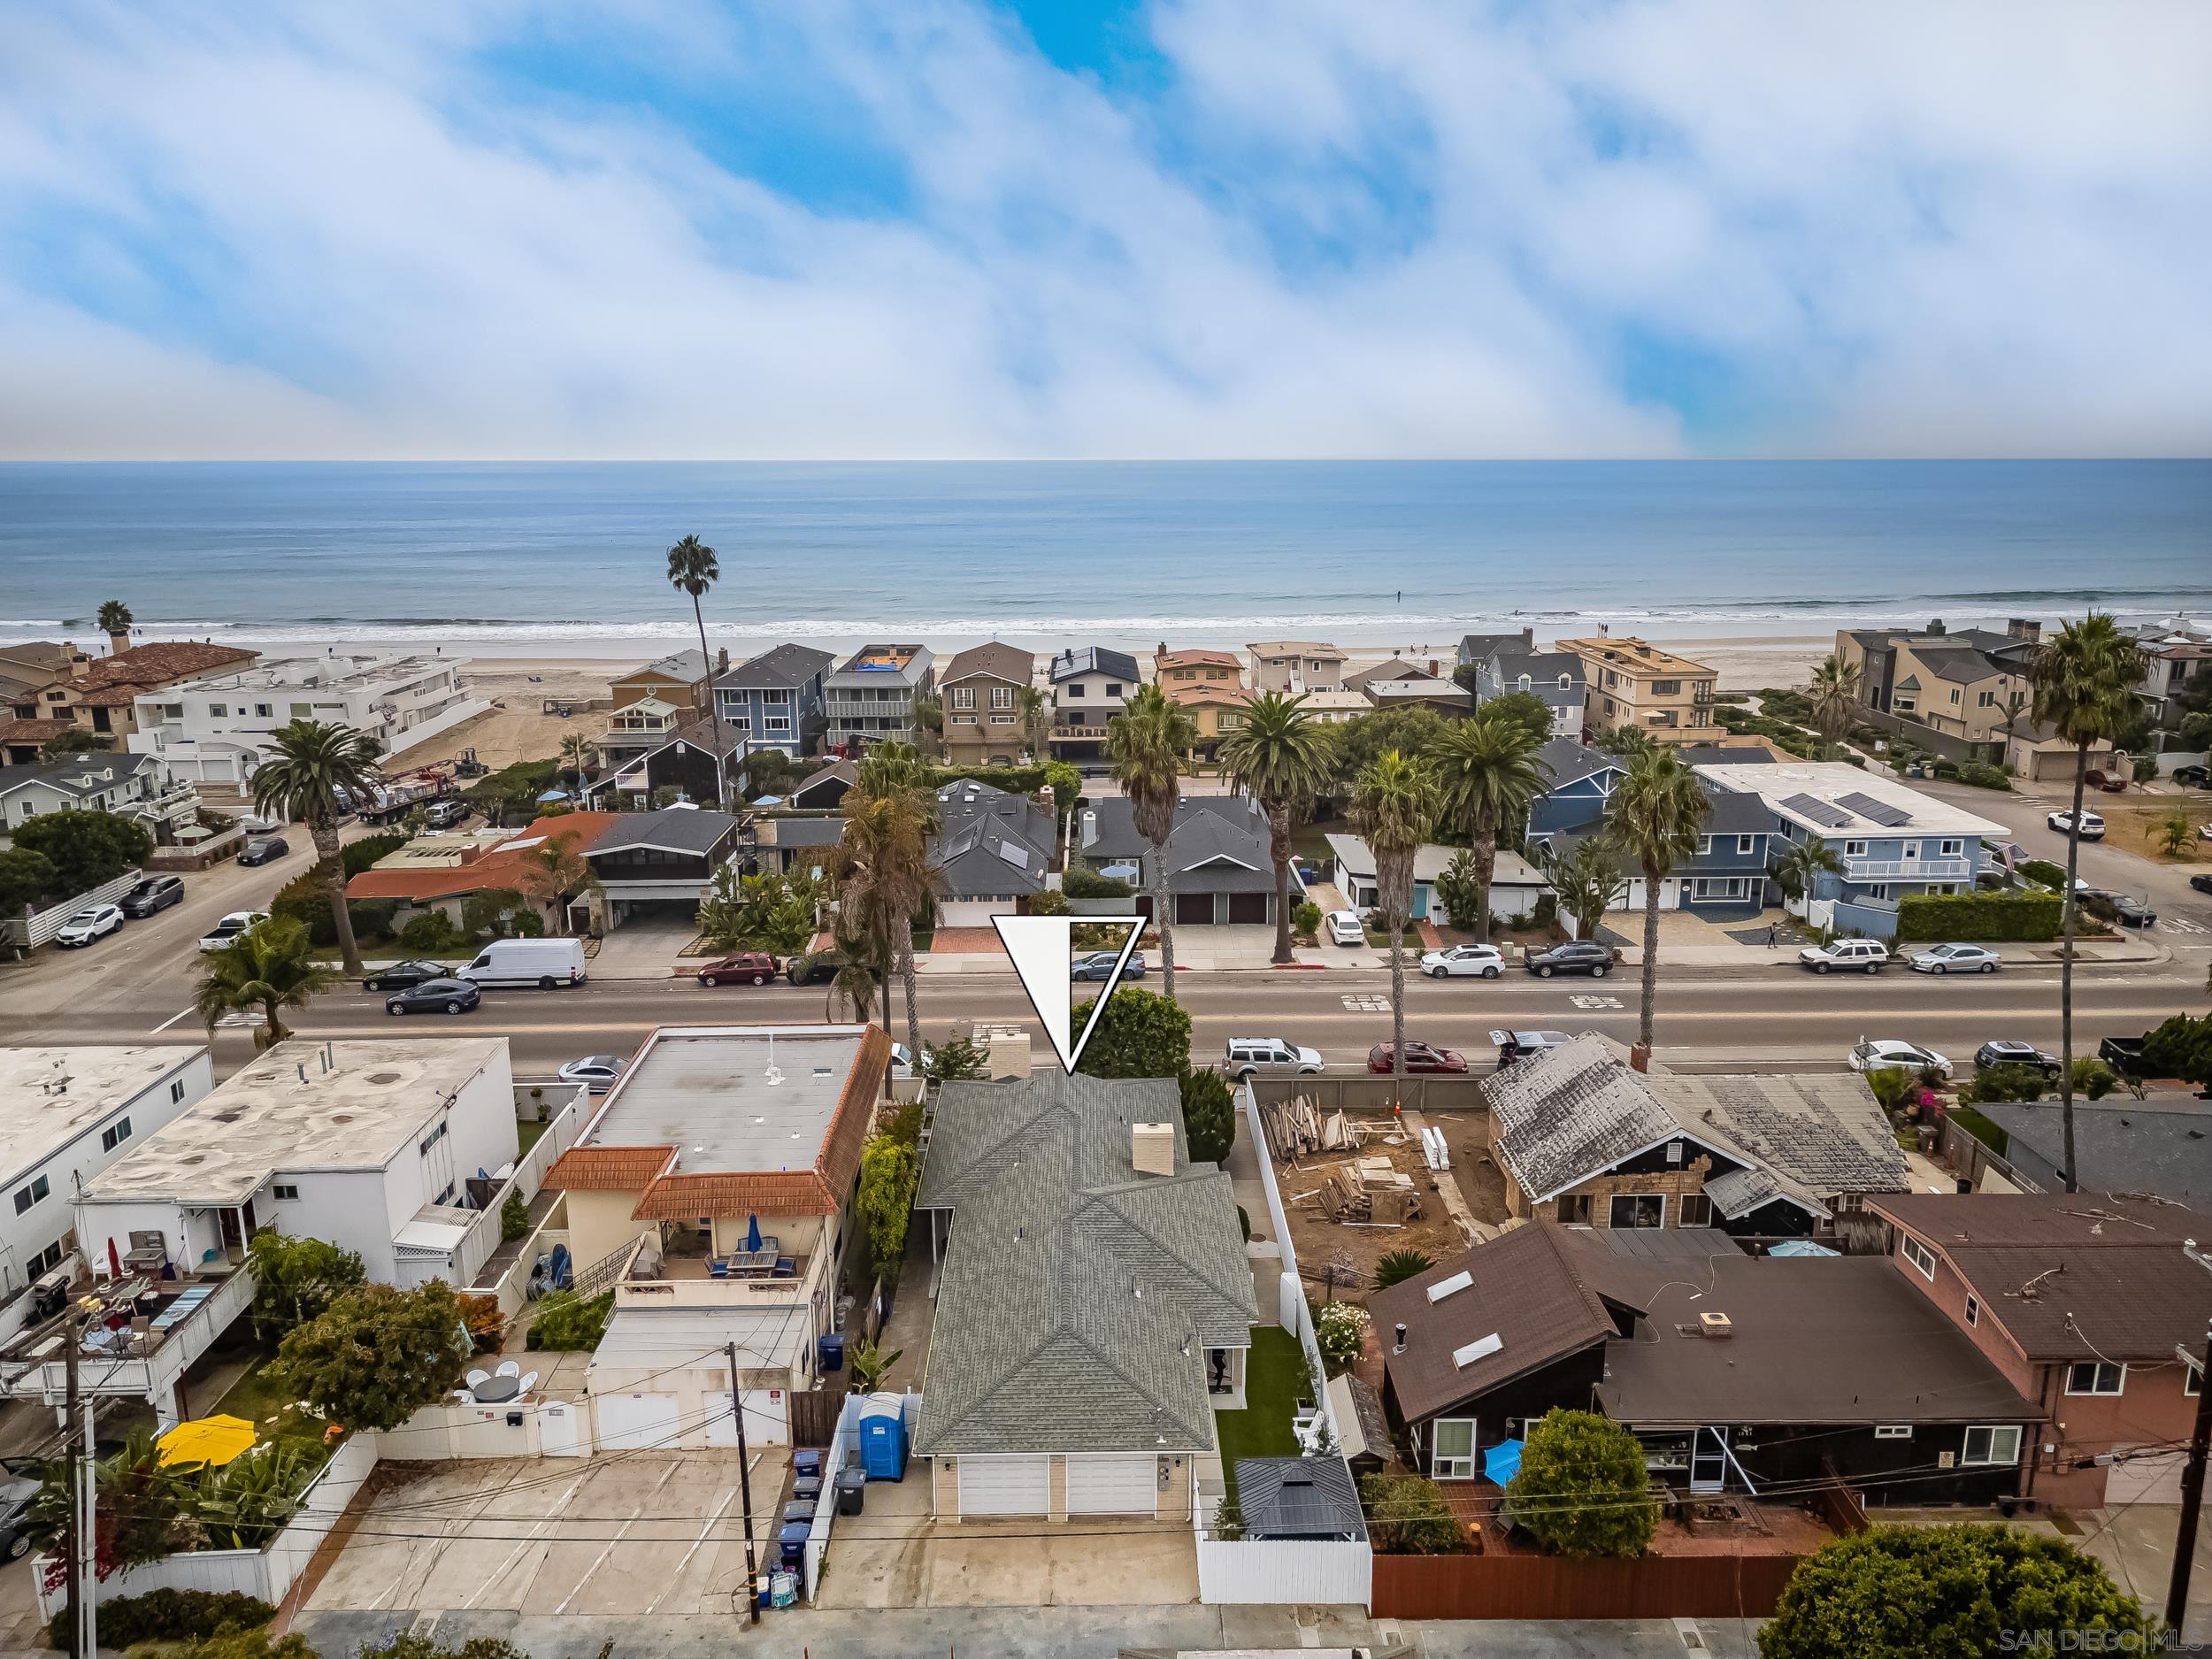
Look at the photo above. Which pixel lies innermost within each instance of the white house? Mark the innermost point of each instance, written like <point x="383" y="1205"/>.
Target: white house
<point x="1514" y="884"/>
<point x="216" y="729"/>
<point x="130" y="786"/>
<point x="71" y="1112"/>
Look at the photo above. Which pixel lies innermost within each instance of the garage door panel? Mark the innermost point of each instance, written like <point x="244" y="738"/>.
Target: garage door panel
<point x="636" y="1422"/>
<point x="2147" y="1477"/>
<point x="1113" y="1486"/>
<point x="767" y="1419"/>
<point x="1248" y="908"/>
<point x="1005" y="1486"/>
<point x="1194" y="909"/>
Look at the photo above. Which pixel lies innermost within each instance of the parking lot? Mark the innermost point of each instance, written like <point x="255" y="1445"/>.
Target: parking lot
<point x="635" y="1533"/>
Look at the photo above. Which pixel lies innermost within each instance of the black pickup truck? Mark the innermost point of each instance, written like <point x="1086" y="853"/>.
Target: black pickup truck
<point x="2124" y="1055"/>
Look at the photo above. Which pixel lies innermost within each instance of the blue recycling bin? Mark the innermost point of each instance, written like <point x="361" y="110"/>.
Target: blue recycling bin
<point x="830" y="1349"/>
<point x="883" y="1445"/>
<point x="807" y="1461"/>
<point x="791" y="1543"/>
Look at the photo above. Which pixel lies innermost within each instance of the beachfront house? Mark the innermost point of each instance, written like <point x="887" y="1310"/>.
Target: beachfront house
<point x="869" y="697"/>
<point x="1554" y="677"/>
<point x="678" y="680"/>
<point x="776" y="700"/>
<point x="1296" y="665"/>
<point x="980" y="692"/>
<point x="1669" y="698"/>
<point x="1089" y="687"/>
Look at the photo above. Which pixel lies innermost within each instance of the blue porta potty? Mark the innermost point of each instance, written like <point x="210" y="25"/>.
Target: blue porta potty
<point x="883" y="1438"/>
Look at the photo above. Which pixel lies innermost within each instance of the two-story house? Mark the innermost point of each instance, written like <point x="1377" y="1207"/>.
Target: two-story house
<point x="1631" y="683"/>
<point x="1219" y="866"/>
<point x="713" y="1192"/>
<point x="1892" y="840"/>
<point x="1476" y="648"/>
<point x="993" y="852"/>
<point x="1215" y="711"/>
<point x="1171" y="670"/>
<point x="1089" y="686"/>
<point x="218" y="728"/>
<point x="679" y="679"/>
<point x="980" y="691"/>
<point x="1724" y="879"/>
<point x="2178" y="651"/>
<point x="99" y="693"/>
<point x="869" y="697"/>
<point x="651" y="746"/>
<point x="661" y="864"/>
<point x="1295" y="665"/>
<point x="130" y="786"/>
<point x="2090" y="1304"/>
<point x="1555" y="678"/>
<point x="776" y="700"/>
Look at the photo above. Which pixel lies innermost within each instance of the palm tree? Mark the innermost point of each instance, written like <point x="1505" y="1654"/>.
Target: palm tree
<point x="115" y="622"/>
<point x="1393" y="807"/>
<point x="1805" y="861"/>
<point x="1036" y="719"/>
<point x="1146" y="741"/>
<point x="312" y="764"/>
<point x="929" y="726"/>
<point x="1834" y="696"/>
<point x="1584" y="881"/>
<point x="574" y="746"/>
<point x="888" y="767"/>
<point x="1657" y="817"/>
<point x="884" y="878"/>
<point x="555" y="873"/>
<point x="2085" y="680"/>
<point x="1282" y="757"/>
<point x="267" y="967"/>
<point x="692" y="568"/>
<point x="1625" y="742"/>
<point x="1489" y="770"/>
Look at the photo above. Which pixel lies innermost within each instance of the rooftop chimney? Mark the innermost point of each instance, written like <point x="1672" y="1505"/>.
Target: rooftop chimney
<point x="1009" y="1056"/>
<point x="1090" y="827"/>
<point x="1152" y="1148"/>
<point x="1398" y="1342"/>
<point x="722" y="659"/>
<point x="1528" y="638"/>
<point x="1935" y="628"/>
<point x="1639" y="1057"/>
<point x="2024" y="628"/>
<point x="1717" y="1325"/>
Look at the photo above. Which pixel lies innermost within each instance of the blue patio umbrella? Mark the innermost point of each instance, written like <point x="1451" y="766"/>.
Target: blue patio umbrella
<point x="752" y="1233"/>
<point x="1503" y="1461"/>
<point x="1799" y="1247"/>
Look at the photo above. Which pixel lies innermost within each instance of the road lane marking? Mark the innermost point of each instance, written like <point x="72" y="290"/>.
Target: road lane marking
<point x="182" y="1013"/>
<point x="1586" y="1001"/>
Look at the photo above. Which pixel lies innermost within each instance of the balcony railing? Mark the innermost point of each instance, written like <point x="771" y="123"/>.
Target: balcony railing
<point x="1907" y="869"/>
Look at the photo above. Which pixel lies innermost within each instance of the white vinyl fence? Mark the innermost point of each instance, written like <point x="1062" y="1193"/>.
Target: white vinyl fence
<point x="845" y="1450"/>
<point x="35" y="928"/>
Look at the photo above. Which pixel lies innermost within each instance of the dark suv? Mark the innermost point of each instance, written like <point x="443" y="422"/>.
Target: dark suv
<point x="814" y="967"/>
<point x="750" y="967"/>
<point x="155" y="893"/>
<point x="1577" y="956"/>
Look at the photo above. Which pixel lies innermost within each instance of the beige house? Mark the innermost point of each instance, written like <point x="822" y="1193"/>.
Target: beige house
<point x="1958" y="690"/>
<point x="2039" y="755"/>
<point x="980" y="691"/>
<point x="1215" y="709"/>
<point x="1633" y="683"/>
<point x="678" y="680"/>
<point x="1296" y="665"/>
<point x="1172" y="669"/>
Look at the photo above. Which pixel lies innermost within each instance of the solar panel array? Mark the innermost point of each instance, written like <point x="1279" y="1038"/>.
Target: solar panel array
<point x="1875" y="812"/>
<point x="1818" y="810"/>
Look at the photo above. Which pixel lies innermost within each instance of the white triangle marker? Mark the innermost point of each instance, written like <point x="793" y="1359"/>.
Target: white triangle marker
<point x="1042" y="950"/>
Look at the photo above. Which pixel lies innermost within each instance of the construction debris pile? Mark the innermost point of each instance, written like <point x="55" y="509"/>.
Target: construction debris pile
<point x="1296" y="1129"/>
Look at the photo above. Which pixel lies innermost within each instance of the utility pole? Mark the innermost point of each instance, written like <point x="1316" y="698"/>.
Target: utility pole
<point x="88" y="1582"/>
<point x="745" y="1490"/>
<point x="2191" y="1494"/>
<point x="76" y="1593"/>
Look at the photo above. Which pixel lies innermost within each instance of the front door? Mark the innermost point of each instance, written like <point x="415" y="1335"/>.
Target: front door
<point x="1709" y="1460"/>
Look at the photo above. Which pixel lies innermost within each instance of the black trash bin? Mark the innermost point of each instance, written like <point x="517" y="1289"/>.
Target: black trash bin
<point x="852" y="1490"/>
<point x="801" y="1509"/>
<point x="807" y="1487"/>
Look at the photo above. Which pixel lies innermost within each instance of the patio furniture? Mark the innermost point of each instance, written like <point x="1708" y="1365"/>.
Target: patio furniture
<point x="786" y="1267"/>
<point x="717" y="1267"/>
<point x="529" y="1381"/>
<point x="493" y="1391"/>
<point x="478" y="1378"/>
<point x="508" y="1367"/>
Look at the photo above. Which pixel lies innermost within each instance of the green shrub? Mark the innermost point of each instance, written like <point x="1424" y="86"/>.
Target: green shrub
<point x="2093" y="1079"/>
<point x="1982" y="775"/>
<point x="429" y="933"/>
<point x="514" y="1218"/>
<point x="2005" y="1083"/>
<point x="1397" y="1266"/>
<point x="1338" y="1329"/>
<point x="1209" y="1116"/>
<point x="1577" y="1493"/>
<point x="1307" y="918"/>
<point x="2044" y="871"/>
<point x="1138" y="1034"/>
<point x="356" y="856"/>
<point x="1407" y="1516"/>
<point x="167" y="1616"/>
<point x="568" y="1322"/>
<point x="1928" y="916"/>
<point x="1082" y="882"/>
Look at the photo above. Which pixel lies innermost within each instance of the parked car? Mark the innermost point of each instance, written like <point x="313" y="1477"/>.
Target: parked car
<point x="2010" y="1051"/>
<point x="398" y="976"/>
<point x="253" y="826"/>
<point x="1100" y="966"/>
<point x="267" y="851"/>
<point x="96" y="921"/>
<point x="225" y="931"/>
<point x="1269" y="1056"/>
<point x="16" y="1495"/>
<point x="1420" y="1056"/>
<point x="1879" y="1053"/>
<point x="748" y="967"/>
<point x="2091" y="825"/>
<point x="2193" y="776"/>
<point x="1577" y="956"/>
<point x="2110" y="782"/>
<point x="434" y="996"/>
<point x="2130" y="911"/>
<point x="1519" y="1045"/>
<point x="1955" y="959"/>
<point x="814" y="967"/>
<point x="154" y="894"/>
<point x="1461" y="962"/>
<point x="1845" y="956"/>
<point x="446" y="813"/>
<point x="544" y="963"/>
<point x="598" y="1072"/>
<point x="2124" y="1055"/>
<point x="1345" y="927"/>
<point x="2200" y="884"/>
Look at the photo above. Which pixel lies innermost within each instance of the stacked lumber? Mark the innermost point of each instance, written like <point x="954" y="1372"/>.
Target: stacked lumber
<point x="1294" y="1128"/>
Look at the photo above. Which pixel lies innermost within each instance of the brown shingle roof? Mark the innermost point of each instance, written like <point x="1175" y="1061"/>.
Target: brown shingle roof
<point x="999" y="660"/>
<point x="607" y="1168"/>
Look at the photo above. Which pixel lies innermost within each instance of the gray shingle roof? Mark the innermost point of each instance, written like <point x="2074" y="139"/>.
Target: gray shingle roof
<point x="80" y="776"/>
<point x="1299" y="1497"/>
<point x="1219" y="845"/>
<point x="2132" y="1147"/>
<point x="783" y="669"/>
<point x="690" y="665"/>
<point x="992" y="843"/>
<point x="1570" y="761"/>
<point x="1543" y="668"/>
<point x="1094" y="659"/>
<point x="676" y="829"/>
<point x="1078" y="1298"/>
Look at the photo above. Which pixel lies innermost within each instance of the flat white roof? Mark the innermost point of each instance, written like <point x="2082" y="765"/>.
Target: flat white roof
<point x="55" y="1095"/>
<point x="376" y="1095"/>
<point x="706" y="1091"/>
<point x="1826" y="780"/>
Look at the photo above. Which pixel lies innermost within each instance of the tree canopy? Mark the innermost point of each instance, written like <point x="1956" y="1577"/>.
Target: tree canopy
<point x="83" y="848"/>
<point x="1138" y="1035"/>
<point x="296" y="1280"/>
<point x="1582" y="1489"/>
<point x="377" y="1355"/>
<point x="1210" y="1115"/>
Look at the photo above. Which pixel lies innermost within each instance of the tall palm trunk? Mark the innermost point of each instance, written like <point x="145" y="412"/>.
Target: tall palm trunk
<point x="908" y="978"/>
<point x="1397" y="1004"/>
<point x="2066" y="968"/>
<point x="273" y="1032"/>
<point x="1652" y="878"/>
<point x="1278" y="849"/>
<point x="323" y="830"/>
<point x="714" y="711"/>
<point x="1485" y="851"/>
<point x="1162" y="920"/>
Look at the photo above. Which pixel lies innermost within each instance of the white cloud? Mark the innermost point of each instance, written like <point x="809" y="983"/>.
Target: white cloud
<point x="1901" y="229"/>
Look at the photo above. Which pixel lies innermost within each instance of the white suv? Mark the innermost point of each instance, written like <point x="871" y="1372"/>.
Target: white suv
<point x="1845" y="956"/>
<point x="1270" y="1056"/>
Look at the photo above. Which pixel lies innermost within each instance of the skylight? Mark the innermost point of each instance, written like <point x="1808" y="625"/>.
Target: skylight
<point x="1463" y="1358"/>
<point x="1444" y="1288"/>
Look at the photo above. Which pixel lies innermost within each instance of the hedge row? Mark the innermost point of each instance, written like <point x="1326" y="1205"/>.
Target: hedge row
<point x="1978" y="915"/>
<point x="167" y="1616"/>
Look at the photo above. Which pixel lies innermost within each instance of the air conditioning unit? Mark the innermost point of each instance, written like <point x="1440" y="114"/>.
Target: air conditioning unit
<point x="1716" y="1324"/>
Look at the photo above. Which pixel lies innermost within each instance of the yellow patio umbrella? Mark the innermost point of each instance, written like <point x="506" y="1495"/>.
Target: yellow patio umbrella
<point x="214" y="1441"/>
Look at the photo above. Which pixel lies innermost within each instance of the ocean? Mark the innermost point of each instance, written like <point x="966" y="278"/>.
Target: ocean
<point x="568" y="558"/>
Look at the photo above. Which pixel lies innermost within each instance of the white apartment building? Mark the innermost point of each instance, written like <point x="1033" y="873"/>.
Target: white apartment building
<point x="218" y="728"/>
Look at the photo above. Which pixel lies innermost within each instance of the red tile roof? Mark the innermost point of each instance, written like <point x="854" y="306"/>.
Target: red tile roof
<point x="33" y="731"/>
<point x="111" y="680"/>
<point x="1201" y="691"/>
<point x="1196" y="657"/>
<point x="502" y="867"/>
<point x="607" y="1168"/>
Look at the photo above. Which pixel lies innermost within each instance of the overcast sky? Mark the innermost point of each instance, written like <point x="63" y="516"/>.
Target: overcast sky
<point x="487" y="228"/>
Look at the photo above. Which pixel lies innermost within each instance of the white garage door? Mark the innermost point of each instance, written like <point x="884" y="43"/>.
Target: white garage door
<point x="767" y="1419"/>
<point x="635" y="1421"/>
<point x="2149" y="1477"/>
<point x="1112" y="1486"/>
<point x="1005" y="1486"/>
<point x="1669" y="895"/>
<point x="973" y="913"/>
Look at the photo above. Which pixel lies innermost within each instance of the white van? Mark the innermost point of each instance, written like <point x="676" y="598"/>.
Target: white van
<point x="544" y="963"/>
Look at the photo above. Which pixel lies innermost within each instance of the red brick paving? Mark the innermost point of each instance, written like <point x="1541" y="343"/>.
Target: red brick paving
<point x="951" y="941"/>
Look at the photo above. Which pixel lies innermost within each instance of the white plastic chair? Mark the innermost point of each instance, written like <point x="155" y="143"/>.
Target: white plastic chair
<point x="478" y="1379"/>
<point x="529" y="1382"/>
<point x="509" y="1368"/>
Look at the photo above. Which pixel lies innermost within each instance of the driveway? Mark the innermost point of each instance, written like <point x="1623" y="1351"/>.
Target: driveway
<point x="641" y="1534"/>
<point x="894" y="1555"/>
<point x="643" y="948"/>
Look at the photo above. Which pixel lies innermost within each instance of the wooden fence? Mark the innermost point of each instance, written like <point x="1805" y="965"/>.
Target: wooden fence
<point x="814" y="1416"/>
<point x="1548" y="1586"/>
<point x="1367" y="1093"/>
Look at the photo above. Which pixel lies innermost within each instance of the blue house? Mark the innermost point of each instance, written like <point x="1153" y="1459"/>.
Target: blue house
<point x="1582" y="781"/>
<point x="1556" y="677"/>
<point x="775" y="701"/>
<point x="1891" y="839"/>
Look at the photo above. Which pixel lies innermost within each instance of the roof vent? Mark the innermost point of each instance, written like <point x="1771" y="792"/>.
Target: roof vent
<point x="1298" y="1475"/>
<point x="1716" y="1324"/>
<point x="1152" y="1148"/>
<point x="1443" y="1288"/>
<point x="383" y="1077"/>
<point x="1463" y="1357"/>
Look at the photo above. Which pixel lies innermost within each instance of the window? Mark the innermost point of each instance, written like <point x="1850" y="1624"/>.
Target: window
<point x="1072" y="690"/>
<point x="1694" y="1209"/>
<point x="430" y="1140"/>
<point x="776" y="699"/>
<point x="1987" y="700"/>
<point x="778" y="723"/>
<point x="217" y="710"/>
<point x="1674" y="1152"/>
<point x="963" y="697"/>
<point x="1113" y="688"/>
<point x="302" y="710"/>
<point x="176" y="1090"/>
<point x="1001" y="720"/>
<point x="1666" y="687"/>
<point x="25" y="1196"/>
<point x="1892" y="1430"/>
<point x="1704" y="846"/>
<point x="1992" y="1446"/>
<point x="1952" y="848"/>
<point x="1001" y="696"/>
<point x="1574" y="1210"/>
<point x="1904" y="705"/>
<point x="1746" y="845"/>
<point x="1973" y="1311"/>
<point x="1526" y="682"/>
<point x="261" y="711"/>
<point x="1639" y="1209"/>
<point x="1920" y="1256"/>
<point x="2095" y="1377"/>
<point x="2192" y="1382"/>
<point x="47" y="1260"/>
<point x="1452" y="1449"/>
<point x="1854" y="849"/>
<point x="286" y="1192"/>
<point x="115" y="1134"/>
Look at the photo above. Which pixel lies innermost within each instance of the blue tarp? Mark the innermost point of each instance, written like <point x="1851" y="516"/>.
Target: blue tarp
<point x="1800" y="1247"/>
<point x="1503" y="1461"/>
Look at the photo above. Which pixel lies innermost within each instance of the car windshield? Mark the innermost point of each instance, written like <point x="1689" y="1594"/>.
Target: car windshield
<point x="85" y="915"/>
